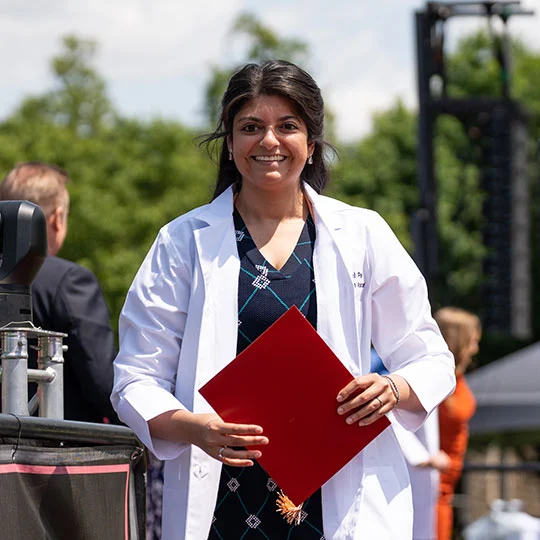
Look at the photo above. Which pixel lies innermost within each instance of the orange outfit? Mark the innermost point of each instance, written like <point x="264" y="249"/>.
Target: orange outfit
<point x="454" y="415"/>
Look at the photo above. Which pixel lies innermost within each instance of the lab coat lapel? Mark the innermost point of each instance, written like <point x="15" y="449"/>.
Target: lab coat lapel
<point x="334" y="234"/>
<point x="218" y="297"/>
<point x="220" y="266"/>
<point x="213" y="239"/>
<point x="335" y="258"/>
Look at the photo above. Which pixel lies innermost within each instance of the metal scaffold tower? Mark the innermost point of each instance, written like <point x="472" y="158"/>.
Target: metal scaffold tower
<point x="499" y="125"/>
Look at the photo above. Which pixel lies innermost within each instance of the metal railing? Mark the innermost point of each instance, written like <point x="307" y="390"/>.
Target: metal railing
<point x="21" y="430"/>
<point x="462" y="499"/>
<point x="15" y="374"/>
<point x="502" y="469"/>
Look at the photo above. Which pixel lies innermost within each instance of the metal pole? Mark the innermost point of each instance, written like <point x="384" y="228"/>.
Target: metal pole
<point x="36" y="375"/>
<point x="51" y="393"/>
<point x="502" y="476"/>
<point x="14" y="354"/>
<point x="425" y="221"/>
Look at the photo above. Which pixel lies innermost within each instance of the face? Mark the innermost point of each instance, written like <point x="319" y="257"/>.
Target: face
<point x="269" y="143"/>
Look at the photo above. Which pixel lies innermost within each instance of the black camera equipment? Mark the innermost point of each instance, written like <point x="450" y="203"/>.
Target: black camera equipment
<point x="23" y="248"/>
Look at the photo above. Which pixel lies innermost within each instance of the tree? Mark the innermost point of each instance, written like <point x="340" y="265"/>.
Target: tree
<point x="263" y="44"/>
<point x="379" y="172"/>
<point x="129" y="177"/>
<point x="79" y="100"/>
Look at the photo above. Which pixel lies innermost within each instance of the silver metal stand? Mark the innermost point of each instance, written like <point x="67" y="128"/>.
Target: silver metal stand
<point x="15" y="374"/>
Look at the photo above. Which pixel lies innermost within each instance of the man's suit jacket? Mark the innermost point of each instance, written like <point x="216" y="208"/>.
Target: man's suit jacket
<point x="66" y="297"/>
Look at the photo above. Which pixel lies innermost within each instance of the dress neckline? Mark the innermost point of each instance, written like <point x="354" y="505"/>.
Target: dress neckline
<point x="257" y="258"/>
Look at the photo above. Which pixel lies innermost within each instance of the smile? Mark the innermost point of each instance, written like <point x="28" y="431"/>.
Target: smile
<point x="268" y="158"/>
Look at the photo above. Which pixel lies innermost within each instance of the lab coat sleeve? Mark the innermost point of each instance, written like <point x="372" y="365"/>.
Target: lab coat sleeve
<point x="151" y="328"/>
<point x="403" y="331"/>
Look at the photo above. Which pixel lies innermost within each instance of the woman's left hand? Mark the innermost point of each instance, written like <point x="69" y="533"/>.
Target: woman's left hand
<point x="365" y="399"/>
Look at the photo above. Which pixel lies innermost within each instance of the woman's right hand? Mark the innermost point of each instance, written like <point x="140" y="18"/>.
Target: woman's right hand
<point x="227" y="442"/>
<point x="230" y="443"/>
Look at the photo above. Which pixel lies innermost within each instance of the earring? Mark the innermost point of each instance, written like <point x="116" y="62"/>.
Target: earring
<point x="310" y="160"/>
<point x="230" y="156"/>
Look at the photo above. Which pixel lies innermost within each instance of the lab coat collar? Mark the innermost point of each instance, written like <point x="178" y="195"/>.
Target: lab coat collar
<point x="328" y="209"/>
<point x="329" y="216"/>
<point x="219" y="210"/>
<point x="216" y="242"/>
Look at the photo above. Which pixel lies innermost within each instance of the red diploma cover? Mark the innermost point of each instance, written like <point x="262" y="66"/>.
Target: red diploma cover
<point x="287" y="381"/>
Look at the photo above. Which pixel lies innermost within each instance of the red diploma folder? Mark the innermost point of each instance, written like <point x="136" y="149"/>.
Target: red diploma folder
<point x="287" y="381"/>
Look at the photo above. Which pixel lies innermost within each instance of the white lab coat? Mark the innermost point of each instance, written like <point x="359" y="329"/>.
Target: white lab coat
<point x="178" y="328"/>
<point x="417" y="448"/>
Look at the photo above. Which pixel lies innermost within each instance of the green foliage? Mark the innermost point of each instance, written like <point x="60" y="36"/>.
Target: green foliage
<point x="127" y="183"/>
<point x="132" y="177"/>
<point x="263" y="44"/>
<point x="129" y="178"/>
<point x="473" y="69"/>
<point x="526" y="86"/>
<point x="79" y="101"/>
<point x="459" y="215"/>
<point x="379" y="172"/>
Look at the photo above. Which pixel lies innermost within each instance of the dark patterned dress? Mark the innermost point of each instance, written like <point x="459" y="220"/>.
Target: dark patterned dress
<point x="246" y="503"/>
<point x="154" y="497"/>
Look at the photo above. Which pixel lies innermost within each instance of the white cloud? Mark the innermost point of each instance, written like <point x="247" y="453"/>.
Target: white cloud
<point x="136" y="38"/>
<point x="155" y="54"/>
<point x="356" y="103"/>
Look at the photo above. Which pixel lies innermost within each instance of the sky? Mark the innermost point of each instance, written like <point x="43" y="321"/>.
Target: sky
<point x="155" y="55"/>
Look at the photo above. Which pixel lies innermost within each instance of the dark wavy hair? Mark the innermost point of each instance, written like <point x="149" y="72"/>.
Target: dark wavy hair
<point x="272" y="77"/>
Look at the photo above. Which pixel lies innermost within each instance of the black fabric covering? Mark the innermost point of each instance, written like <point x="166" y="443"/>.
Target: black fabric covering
<point x="53" y="501"/>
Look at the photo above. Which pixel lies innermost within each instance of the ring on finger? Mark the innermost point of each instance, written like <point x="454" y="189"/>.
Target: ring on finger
<point x="380" y="401"/>
<point x="220" y="453"/>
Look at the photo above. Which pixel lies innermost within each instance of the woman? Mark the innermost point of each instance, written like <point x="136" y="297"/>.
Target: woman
<point x="218" y="276"/>
<point x="462" y="332"/>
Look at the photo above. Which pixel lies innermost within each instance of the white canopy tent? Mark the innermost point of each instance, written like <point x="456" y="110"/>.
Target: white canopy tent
<point x="507" y="392"/>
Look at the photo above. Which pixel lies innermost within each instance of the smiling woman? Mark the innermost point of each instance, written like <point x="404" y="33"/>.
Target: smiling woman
<point x="219" y="276"/>
<point x="248" y="106"/>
